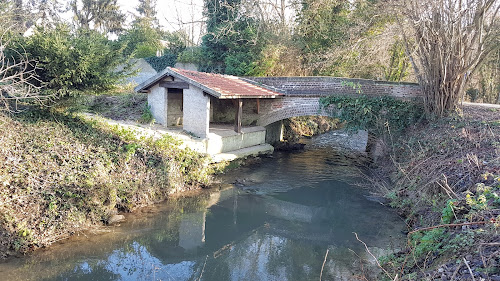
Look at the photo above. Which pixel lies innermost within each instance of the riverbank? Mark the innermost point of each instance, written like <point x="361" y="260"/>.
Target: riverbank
<point x="61" y="174"/>
<point x="444" y="177"/>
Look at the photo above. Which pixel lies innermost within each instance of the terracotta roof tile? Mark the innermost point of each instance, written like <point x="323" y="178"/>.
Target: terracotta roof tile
<point x="226" y="85"/>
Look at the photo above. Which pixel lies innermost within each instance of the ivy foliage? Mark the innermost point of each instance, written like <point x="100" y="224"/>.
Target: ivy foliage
<point x="376" y="114"/>
<point x="160" y="63"/>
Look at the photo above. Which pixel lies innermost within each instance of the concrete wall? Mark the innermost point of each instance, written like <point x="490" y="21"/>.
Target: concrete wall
<point x="228" y="142"/>
<point x="186" y="66"/>
<point x="275" y="132"/>
<point x="174" y="107"/>
<point x="157" y="102"/>
<point x="144" y="71"/>
<point x="196" y="108"/>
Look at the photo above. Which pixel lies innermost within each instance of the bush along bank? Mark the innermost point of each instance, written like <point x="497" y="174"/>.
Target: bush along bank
<point x="446" y="182"/>
<point x="60" y="174"/>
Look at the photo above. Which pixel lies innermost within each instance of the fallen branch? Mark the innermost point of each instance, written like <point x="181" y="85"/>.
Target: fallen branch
<point x="470" y="270"/>
<point x="375" y="258"/>
<point x="491" y="244"/>
<point x="323" y="266"/>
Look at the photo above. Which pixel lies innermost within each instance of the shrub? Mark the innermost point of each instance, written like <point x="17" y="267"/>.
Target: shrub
<point x="147" y="115"/>
<point x="69" y="64"/>
<point x="473" y="94"/>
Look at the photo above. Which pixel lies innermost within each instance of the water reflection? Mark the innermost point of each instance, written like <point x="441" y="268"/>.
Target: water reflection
<point x="275" y="226"/>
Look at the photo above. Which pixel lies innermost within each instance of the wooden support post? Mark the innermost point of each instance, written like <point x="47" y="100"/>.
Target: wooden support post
<point x="237" y="118"/>
<point x="258" y="106"/>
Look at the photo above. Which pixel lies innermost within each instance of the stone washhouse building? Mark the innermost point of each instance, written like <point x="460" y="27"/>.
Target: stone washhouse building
<point x="210" y="107"/>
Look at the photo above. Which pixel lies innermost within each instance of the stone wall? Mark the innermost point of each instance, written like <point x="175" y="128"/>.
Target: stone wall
<point x="196" y="108"/>
<point x="325" y="86"/>
<point x="157" y="102"/>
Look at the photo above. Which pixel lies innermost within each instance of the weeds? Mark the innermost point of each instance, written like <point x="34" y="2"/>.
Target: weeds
<point x="447" y="183"/>
<point x="147" y="115"/>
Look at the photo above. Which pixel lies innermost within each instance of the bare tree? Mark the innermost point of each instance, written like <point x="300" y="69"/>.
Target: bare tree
<point x="101" y="15"/>
<point x="446" y="41"/>
<point x="17" y="78"/>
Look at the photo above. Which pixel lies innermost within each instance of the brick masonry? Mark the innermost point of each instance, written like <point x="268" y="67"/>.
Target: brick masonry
<point x="301" y="98"/>
<point x="286" y="107"/>
<point x="302" y="94"/>
<point x="326" y="86"/>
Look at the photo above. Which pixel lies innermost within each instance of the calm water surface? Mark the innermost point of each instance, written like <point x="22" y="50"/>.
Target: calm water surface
<point x="275" y="222"/>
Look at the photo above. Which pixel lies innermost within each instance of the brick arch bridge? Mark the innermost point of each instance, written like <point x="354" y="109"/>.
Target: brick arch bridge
<point x="302" y="94"/>
<point x="287" y="107"/>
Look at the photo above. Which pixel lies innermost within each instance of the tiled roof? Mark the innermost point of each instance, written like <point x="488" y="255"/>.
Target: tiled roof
<point x="218" y="85"/>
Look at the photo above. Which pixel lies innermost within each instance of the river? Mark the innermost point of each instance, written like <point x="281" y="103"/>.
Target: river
<point x="272" y="220"/>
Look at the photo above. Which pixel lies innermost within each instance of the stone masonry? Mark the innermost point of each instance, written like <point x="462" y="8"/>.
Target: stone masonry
<point x="196" y="110"/>
<point x="157" y="103"/>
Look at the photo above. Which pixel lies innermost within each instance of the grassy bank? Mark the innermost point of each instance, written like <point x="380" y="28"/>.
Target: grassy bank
<point x="60" y="174"/>
<point x="445" y="179"/>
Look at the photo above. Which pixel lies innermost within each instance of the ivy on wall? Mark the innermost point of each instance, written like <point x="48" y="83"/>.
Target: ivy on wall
<point x="160" y="63"/>
<point x="375" y="114"/>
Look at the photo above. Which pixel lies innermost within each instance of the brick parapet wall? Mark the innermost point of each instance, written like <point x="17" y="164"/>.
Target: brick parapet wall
<point x="325" y="86"/>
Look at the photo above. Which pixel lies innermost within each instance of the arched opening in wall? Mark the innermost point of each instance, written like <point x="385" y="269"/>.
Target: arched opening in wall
<point x="291" y="130"/>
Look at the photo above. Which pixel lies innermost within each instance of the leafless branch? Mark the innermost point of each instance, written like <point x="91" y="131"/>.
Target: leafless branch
<point x="446" y="42"/>
<point x="18" y="79"/>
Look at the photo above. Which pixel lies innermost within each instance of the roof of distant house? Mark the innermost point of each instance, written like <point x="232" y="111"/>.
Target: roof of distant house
<point x="217" y="85"/>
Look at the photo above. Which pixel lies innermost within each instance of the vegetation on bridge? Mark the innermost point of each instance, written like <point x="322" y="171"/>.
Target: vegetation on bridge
<point x="378" y="115"/>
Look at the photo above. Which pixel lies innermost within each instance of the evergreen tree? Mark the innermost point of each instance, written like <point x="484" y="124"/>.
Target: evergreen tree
<point x="147" y="12"/>
<point x="141" y="40"/>
<point x="233" y="41"/>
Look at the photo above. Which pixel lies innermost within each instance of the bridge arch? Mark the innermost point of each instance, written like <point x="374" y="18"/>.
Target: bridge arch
<point x="288" y="107"/>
